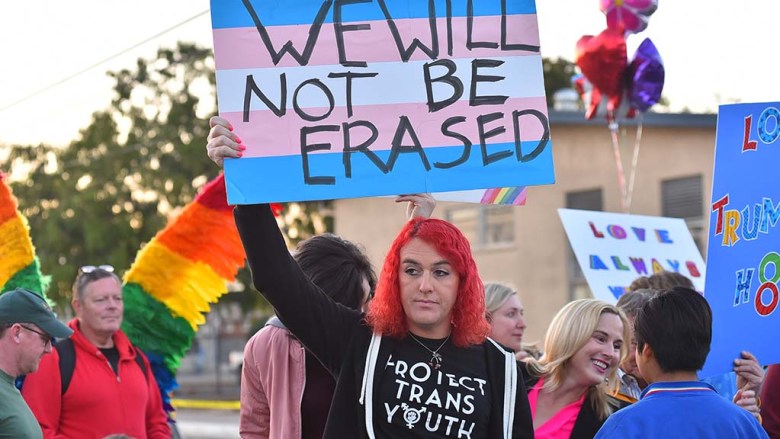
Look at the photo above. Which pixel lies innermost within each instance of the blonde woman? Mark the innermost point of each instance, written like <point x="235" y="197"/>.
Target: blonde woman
<point x="506" y="316"/>
<point x="568" y="386"/>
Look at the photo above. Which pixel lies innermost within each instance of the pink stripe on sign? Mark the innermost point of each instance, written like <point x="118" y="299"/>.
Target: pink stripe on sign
<point x="490" y="196"/>
<point x="242" y="48"/>
<point x="522" y="198"/>
<point x="266" y="135"/>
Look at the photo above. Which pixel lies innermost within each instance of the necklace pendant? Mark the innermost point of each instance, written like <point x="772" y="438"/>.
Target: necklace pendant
<point x="435" y="361"/>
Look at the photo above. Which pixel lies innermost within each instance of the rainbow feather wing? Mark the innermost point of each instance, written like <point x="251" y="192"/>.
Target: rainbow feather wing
<point x="19" y="268"/>
<point x="175" y="278"/>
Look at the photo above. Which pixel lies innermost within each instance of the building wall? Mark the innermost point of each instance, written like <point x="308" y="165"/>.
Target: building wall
<point x="537" y="262"/>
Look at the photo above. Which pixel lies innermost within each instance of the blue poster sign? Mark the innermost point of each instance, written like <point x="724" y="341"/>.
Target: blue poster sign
<point x="743" y="258"/>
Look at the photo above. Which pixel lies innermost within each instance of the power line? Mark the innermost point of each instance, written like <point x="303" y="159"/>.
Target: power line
<point x="86" y="69"/>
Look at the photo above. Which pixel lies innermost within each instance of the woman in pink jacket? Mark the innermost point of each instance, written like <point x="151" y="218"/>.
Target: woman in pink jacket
<point x="285" y="391"/>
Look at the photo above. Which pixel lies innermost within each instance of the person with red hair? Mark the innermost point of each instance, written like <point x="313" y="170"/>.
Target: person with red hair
<point x="419" y="363"/>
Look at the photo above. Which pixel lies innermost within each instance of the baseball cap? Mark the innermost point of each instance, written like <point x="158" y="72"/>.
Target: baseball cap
<point x="24" y="306"/>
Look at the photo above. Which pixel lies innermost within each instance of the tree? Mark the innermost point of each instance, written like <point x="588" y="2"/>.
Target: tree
<point x="557" y="75"/>
<point x="97" y="200"/>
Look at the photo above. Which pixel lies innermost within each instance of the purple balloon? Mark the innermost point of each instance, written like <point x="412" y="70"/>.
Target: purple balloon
<point x="646" y="77"/>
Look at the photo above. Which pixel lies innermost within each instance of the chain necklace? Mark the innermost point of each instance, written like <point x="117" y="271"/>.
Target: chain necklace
<point x="435" y="361"/>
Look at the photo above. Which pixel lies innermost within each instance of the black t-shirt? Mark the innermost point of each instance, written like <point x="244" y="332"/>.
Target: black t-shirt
<point x="317" y="395"/>
<point x="416" y="400"/>
<point x="112" y="355"/>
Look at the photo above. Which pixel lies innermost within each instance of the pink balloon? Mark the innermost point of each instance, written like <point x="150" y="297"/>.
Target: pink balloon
<point x="629" y="15"/>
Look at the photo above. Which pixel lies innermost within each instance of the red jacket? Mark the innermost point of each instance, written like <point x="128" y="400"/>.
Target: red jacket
<point x="98" y="401"/>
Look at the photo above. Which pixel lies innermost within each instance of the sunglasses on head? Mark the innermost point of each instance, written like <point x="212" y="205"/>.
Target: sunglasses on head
<point x="91" y="268"/>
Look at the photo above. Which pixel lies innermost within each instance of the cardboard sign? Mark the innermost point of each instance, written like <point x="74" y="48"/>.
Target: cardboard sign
<point x="613" y="249"/>
<point x="744" y="237"/>
<point x="352" y="99"/>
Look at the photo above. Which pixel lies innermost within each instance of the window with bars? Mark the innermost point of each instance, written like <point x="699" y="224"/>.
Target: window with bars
<point x="592" y="199"/>
<point x="484" y="226"/>
<point x="683" y="198"/>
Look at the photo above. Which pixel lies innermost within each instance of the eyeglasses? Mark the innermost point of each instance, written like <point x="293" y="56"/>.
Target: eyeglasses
<point x="45" y="338"/>
<point x="90" y="268"/>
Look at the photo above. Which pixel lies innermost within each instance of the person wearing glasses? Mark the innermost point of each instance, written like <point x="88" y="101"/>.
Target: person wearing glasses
<point x="27" y="326"/>
<point x="108" y="391"/>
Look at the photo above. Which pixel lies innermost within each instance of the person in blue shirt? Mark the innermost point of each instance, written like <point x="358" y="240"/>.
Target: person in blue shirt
<point x="673" y="333"/>
<point x="742" y="385"/>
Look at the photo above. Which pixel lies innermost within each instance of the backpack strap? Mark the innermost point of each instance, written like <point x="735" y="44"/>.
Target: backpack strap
<point x="139" y="358"/>
<point x="67" y="354"/>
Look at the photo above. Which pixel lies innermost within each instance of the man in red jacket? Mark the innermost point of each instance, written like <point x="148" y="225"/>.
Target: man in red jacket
<point x="108" y="392"/>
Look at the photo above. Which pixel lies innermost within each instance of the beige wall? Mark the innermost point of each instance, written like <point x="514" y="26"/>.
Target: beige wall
<point x="583" y="157"/>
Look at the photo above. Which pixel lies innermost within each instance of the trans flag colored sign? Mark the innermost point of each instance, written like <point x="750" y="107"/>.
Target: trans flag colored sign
<point x="338" y="99"/>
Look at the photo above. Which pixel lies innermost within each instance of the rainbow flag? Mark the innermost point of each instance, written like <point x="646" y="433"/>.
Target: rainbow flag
<point x="511" y="196"/>
<point x="175" y="278"/>
<point x="19" y="267"/>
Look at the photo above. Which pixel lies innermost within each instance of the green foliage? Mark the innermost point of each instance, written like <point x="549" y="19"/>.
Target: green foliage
<point x="557" y="75"/>
<point x="97" y="200"/>
<point x="304" y="220"/>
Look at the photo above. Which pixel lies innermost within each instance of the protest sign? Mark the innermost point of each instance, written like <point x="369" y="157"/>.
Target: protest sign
<point x="613" y="249"/>
<point x="348" y="99"/>
<point x="744" y="241"/>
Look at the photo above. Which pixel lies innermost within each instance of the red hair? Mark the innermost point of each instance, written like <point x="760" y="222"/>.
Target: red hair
<point x="386" y="314"/>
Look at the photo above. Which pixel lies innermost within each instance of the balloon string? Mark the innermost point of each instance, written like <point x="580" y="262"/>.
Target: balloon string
<point x="634" y="161"/>
<point x="613" y="128"/>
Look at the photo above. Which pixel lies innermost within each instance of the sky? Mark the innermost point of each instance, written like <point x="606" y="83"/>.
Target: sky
<point x="715" y="52"/>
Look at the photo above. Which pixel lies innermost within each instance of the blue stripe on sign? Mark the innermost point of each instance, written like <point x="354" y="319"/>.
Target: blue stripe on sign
<point x="233" y="13"/>
<point x="273" y="179"/>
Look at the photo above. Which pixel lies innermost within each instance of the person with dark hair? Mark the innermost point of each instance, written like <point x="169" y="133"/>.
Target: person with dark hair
<point x="110" y="387"/>
<point x="742" y="385"/>
<point x="666" y="280"/>
<point x="629" y="376"/>
<point x="285" y="391"/>
<point x="663" y="280"/>
<point x="333" y="263"/>
<point x="419" y="363"/>
<point x="570" y="383"/>
<point x="27" y="327"/>
<point x="673" y="334"/>
<point x="640" y="283"/>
